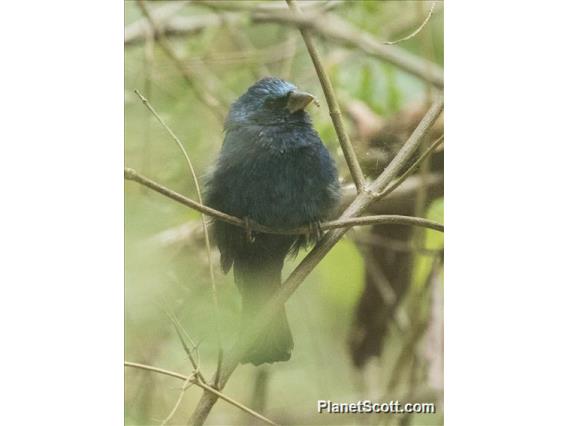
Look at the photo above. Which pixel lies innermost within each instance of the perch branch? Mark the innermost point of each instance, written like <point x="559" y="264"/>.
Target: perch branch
<point x="130" y="174"/>
<point x="361" y="202"/>
<point x="333" y="105"/>
<point x="199" y="383"/>
<point x="400" y="200"/>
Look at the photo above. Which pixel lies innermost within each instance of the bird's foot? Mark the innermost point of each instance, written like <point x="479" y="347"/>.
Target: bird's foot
<point x="248" y="229"/>
<point x="314" y="231"/>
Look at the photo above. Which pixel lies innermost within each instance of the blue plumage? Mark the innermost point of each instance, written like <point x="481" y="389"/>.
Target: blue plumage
<point x="274" y="170"/>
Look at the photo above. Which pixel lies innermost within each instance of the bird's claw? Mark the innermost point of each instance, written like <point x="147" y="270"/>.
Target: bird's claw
<point x="248" y="230"/>
<point x="314" y="231"/>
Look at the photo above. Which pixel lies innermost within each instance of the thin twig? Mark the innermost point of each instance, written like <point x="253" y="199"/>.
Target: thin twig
<point x="173" y="25"/>
<point x="179" y="329"/>
<point x="421" y="200"/>
<point x="170" y="23"/>
<point x="131" y="174"/>
<point x="361" y="202"/>
<point x="199" y="90"/>
<point x="204" y="224"/>
<point x="148" y="77"/>
<point x="338" y="30"/>
<point x="155" y="370"/>
<point x="333" y="105"/>
<point x="266" y="6"/>
<point x="394" y="244"/>
<point x="202" y="385"/>
<point x="417" y="30"/>
<point x="185" y="386"/>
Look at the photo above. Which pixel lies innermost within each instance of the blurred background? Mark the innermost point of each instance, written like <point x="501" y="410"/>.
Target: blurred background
<point x="368" y="321"/>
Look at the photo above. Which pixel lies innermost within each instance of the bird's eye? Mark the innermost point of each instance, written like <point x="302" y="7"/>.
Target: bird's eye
<point x="279" y="101"/>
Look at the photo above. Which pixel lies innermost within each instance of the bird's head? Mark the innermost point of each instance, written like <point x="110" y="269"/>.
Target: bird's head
<point x="270" y="101"/>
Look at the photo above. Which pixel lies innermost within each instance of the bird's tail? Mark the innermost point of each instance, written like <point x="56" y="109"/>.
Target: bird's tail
<point x="257" y="287"/>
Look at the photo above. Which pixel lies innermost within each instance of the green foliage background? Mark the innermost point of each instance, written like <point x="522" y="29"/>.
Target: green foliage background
<point x="175" y="277"/>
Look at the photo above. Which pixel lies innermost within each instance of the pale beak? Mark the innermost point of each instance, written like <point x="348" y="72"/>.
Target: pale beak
<point x="298" y="101"/>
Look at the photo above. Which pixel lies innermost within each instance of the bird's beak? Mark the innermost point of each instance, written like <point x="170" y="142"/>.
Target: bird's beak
<point x="298" y="101"/>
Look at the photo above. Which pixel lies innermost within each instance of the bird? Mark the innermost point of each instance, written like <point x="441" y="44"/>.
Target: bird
<point x="274" y="170"/>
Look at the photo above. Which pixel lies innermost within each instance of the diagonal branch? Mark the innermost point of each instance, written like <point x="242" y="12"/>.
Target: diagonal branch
<point x="333" y="105"/>
<point x="399" y="180"/>
<point x="195" y="380"/>
<point x="361" y="202"/>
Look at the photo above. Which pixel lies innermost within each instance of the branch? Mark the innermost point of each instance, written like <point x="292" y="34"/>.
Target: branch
<point x="170" y="24"/>
<point x="417" y="30"/>
<point x="399" y="201"/>
<point x="204" y="386"/>
<point x="398" y="181"/>
<point x="327" y="26"/>
<point x="268" y="6"/>
<point x="333" y="105"/>
<point x="163" y="16"/>
<point x="176" y="26"/>
<point x="201" y="93"/>
<point x="203" y="223"/>
<point x="263" y="319"/>
<point x="402" y="198"/>
<point x="130" y="174"/>
<point x="340" y="31"/>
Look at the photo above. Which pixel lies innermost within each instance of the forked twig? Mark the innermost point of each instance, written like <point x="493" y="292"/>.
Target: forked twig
<point x="202" y="385"/>
<point x="399" y="180"/>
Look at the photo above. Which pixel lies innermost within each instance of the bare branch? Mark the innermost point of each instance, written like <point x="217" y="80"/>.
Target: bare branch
<point x="328" y="26"/>
<point x="137" y="30"/>
<point x="398" y="181"/>
<point x="170" y="24"/>
<point x="333" y="105"/>
<point x="408" y="149"/>
<point x="131" y="174"/>
<point x="199" y="90"/>
<point x="185" y="386"/>
<point x="340" y="31"/>
<point x="176" y="26"/>
<point x="400" y="200"/>
<point x="270" y="6"/>
<point x="204" y="386"/>
<point x="417" y="30"/>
